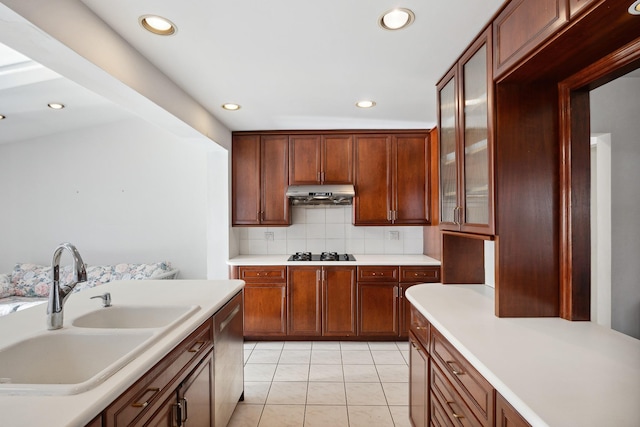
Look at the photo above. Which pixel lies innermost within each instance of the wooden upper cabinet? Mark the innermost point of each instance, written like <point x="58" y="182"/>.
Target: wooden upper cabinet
<point x="320" y="159"/>
<point x="576" y="6"/>
<point x="391" y="179"/>
<point x="259" y="180"/>
<point x="372" y="204"/>
<point x="524" y="25"/>
<point x="465" y="118"/>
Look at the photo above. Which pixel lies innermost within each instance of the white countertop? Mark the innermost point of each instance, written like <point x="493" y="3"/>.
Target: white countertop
<point x="554" y="372"/>
<point x="79" y="409"/>
<point x="419" y="260"/>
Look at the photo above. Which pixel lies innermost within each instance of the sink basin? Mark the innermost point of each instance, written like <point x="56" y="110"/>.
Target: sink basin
<point x="125" y="317"/>
<point x="65" y="362"/>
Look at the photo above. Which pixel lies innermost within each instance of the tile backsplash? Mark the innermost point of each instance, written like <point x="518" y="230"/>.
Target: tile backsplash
<point x="320" y="228"/>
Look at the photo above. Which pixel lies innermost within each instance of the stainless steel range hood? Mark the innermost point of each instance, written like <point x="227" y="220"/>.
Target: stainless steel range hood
<point x="301" y="195"/>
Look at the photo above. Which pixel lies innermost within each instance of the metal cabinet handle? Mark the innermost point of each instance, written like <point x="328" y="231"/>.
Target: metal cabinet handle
<point x="196" y="347"/>
<point x="454" y="368"/>
<point x="144" y="404"/>
<point x="230" y="317"/>
<point x="454" y="412"/>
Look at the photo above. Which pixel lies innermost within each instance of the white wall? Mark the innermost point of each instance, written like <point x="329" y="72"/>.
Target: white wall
<point x="124" y="192"/>
<point x="319" y="228"/>
<point x="614" y="110"/>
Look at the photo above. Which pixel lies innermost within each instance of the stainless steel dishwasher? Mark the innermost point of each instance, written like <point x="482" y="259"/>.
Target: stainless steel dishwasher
<point x="228" y="360"/>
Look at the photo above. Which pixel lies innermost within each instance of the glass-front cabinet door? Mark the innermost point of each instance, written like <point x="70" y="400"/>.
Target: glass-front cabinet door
<point x="466" y="142"/>
<point x="476" y="132"/>
<point x="447" y="122"/>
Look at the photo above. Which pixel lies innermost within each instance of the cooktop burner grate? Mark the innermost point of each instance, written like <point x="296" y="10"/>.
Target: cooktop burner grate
<point x="324" y="256"/>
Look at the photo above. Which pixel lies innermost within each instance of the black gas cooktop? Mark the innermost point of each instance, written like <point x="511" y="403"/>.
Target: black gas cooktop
<point x="324" y="256"/>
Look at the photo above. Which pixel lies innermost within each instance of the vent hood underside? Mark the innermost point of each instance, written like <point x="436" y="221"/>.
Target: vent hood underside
<point x="332" y="195"/>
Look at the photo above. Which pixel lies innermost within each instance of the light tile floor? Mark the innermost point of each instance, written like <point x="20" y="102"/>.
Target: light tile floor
<point x="324" y="384"/>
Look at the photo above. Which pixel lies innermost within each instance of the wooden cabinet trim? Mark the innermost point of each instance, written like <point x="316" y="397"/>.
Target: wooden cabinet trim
<point x="521" y="27"/>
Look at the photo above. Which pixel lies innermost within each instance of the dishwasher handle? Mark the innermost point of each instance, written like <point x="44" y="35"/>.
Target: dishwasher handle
<point x="230" y="317"/>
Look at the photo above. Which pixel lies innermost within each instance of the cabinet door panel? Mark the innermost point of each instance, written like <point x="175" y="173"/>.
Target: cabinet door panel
<point x="418" y="384"/>
<point x="476" y="154"/>
<point x="275" y="178"/>
<point x="304" y="297"/>
<point x="339" y="314"/>
<point x="448" y="151"/>
<point x="166" y="416"/>
<point x="411" y="180"/>
<point x="304" y="159"/>
<point x="372" y="204"/>
<point x="195" y="396"/>
<point x="337" y="159"/>
<point x="523" y="26"/>
<point x="377" y="309"/>
<point x="506" y="415"/>
<point x="264" y="309"/>
<point x="245" y="169"/>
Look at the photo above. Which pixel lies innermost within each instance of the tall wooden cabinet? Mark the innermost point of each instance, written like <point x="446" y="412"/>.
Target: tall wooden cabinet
<point x="465" y="100"/>
<point x="320" y="159"/>
<point x="392" y="179"/>
<point x="259" y="180"/>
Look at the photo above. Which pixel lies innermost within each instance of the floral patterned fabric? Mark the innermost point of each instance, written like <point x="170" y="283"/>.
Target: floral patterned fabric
<point x="139" y="271"/>
<point x="31" y="280"/>
<point x="6" y="287"/>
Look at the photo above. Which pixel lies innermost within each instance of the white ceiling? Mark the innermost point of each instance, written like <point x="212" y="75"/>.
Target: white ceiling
<point x="290" y="64"/>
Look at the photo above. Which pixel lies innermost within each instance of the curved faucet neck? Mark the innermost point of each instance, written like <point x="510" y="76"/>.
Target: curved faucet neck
<point x="59" y="294"/>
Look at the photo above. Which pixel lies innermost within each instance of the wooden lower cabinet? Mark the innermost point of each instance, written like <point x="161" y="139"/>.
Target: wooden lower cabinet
<point x="506" y="415"/>
<point x="378" y="309"/>
<point x="455" y="393"/>
<point x="419" y="384"/>
<point x="191" y="404"/>
<point x="304" y="301"/>
<point x="321" y="301"/>
<point x="339" y="302"/>
<point x="147" y="401"/>
<point x="265" y="309"/>
<point x="329" y="301"/>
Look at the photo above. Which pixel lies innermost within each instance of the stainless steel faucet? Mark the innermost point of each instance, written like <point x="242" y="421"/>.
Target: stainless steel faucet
<point x="58" y="294"/>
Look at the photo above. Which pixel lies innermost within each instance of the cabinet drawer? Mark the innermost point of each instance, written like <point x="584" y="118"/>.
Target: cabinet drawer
<point x="420" y="327"/>
<point x="377" y="274"/>
<point x="473" y="387"/>
<point x="451" y="403"/>
<point x="143" y="398"/>
<point x="263" y="274"/>
<point x="420" y="274"/>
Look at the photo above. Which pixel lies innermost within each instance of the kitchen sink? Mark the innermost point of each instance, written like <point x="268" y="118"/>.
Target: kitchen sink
<point x="67" y="362"/>
<point x="128" y="317"/>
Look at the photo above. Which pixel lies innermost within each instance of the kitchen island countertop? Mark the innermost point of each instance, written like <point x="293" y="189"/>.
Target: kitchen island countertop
<point x="400" y="260"/>
<point x="79" y="409"/>
<point x="553" y="371"/>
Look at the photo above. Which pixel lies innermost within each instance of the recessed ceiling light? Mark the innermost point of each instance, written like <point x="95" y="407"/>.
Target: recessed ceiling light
<point x="55" y="106"/>
<point x="157" y="25"/>
<point x="634" y="9"/>
<point x="230" y="106"/>
<point x="396" y="19"/>
<point x="2" y="117"/>
<point x="365" y="104"/>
